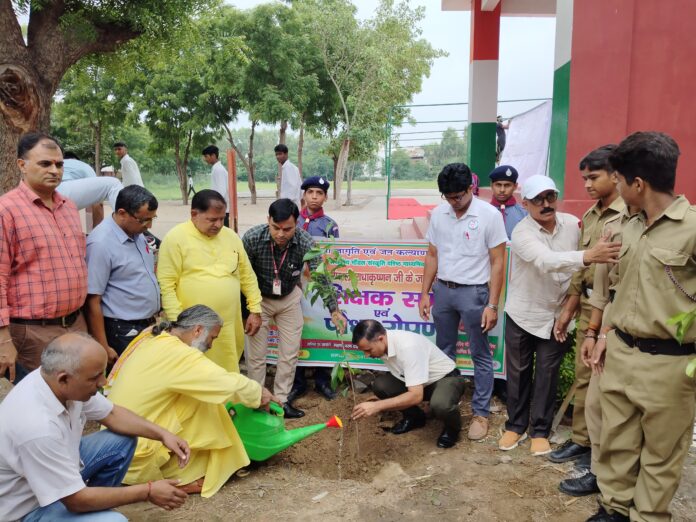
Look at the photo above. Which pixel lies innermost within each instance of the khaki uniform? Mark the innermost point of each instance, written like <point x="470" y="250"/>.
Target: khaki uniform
<point x="606" y="277"/>
<point x="593" y="222"/>
<point x="647" y="400"/>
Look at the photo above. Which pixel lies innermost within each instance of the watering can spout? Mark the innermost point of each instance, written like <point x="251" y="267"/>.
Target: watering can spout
<point x="263" y="433"/>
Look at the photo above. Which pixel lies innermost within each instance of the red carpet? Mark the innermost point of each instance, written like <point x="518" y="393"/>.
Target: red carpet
<point x="406" y="208"/>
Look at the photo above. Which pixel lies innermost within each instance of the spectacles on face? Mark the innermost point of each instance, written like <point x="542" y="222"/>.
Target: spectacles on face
<point x="454" y="199"/>
<point x="143" y="221"/>
<point x="550" y="197"/>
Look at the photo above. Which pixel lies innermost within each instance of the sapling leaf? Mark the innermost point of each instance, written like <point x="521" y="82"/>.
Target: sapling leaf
<point x="345" y="391"/>
<point x="341" y="373"/>
<point x="334" y="376"/>
<point x="691" y="368"/>
<point x="353" y="279"/>
<point x="312" y="254"/>
<point x="683" y="321"/>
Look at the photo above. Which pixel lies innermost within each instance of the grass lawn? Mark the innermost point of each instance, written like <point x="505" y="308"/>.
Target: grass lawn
<point x="167" y="187"/>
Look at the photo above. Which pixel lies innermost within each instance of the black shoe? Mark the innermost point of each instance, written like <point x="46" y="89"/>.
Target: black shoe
<point x="447" y="438"/>
<point x="325" y="390"/>
<point x="581" y="486"/>
<point x="291" y="412"/>
<point x="295" y="394"/>
<point x="584" y="462"/>
<point x="568" y="451"/>
<point x="603" y="516"/>
<point x="408" y="423"/>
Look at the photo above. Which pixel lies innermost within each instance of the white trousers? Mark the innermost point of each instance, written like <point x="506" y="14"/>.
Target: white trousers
<point x="90" y="191"/>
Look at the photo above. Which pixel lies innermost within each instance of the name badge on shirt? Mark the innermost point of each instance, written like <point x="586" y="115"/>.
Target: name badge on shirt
<point x="276" y="287"/>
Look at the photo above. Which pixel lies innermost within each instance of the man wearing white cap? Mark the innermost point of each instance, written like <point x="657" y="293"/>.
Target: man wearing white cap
<point x="544" y="258"/>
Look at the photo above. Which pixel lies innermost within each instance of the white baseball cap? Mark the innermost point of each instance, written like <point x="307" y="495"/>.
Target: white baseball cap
<point x="535" y="185"/>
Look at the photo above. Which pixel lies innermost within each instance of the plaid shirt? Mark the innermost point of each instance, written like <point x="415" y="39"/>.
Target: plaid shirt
<point x="43" y="274"/>
<point x="257" y="243"/>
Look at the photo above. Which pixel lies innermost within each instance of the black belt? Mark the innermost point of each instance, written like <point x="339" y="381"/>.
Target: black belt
<point x="612" y="293"/>
<point x="66" y="321"/>
<point x="657" y="346"/>
<point x="145" y="322"/>
<point x="450" y="284"/>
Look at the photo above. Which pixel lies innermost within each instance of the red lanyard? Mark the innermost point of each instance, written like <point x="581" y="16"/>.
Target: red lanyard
<point x="282" y="260"/>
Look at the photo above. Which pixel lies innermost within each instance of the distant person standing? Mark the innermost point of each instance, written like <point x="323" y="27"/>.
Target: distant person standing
<point x="503" y="186"/>
<point x="500" y="136"/>
<point x="290" y="178"/>
<point x="130" y="173"/>
<point x="219" y="181"/>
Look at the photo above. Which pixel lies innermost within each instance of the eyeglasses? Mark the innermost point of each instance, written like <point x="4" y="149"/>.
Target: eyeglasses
<point x="143" y="221"/>
<point x="550" y="197"/>
<point x="454" y="199"/>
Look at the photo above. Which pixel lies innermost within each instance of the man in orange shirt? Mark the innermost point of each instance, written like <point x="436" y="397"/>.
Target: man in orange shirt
<point x="43" y="274"/>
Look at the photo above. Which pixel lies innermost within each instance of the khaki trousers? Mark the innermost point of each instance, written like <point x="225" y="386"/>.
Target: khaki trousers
<point x="31" y="340"/>
<point x="582" y="378"/>
<point x="647" y="421"/>
<point x="593" y="418"/>
<point x="286" y="313"/>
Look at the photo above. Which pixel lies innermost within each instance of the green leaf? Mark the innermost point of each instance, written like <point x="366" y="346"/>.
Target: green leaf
<point x="691" y="368"/>
<point x="683" y="321"/>
<point x="341" y="373"/>
<point x="312" y="254"/>
<point x="353" y="279"/>
<point x="334" y="376"/>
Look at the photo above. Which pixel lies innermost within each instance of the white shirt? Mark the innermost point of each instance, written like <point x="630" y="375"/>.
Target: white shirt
<point x="40" y="441"/>
<point x="219" y="182"/>
<point x="542" y="265"/>
<point x="463" y="244"/>
<point x="290" y="183"/>
<point x="415" y="360"/>
<point x="130" y="173"/>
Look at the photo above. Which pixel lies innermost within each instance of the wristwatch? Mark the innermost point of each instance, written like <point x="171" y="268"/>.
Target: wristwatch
<point x="602" y="336"/>
<point x="492" y="307"/>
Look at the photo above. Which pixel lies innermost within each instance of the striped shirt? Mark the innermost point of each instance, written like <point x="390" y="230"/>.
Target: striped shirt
<point x="43" y="274"/>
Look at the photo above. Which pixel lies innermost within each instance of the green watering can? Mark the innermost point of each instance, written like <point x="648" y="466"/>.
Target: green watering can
<point x="264" y="433"/>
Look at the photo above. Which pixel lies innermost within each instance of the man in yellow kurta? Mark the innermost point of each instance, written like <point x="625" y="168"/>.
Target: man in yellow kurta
<point x="165" y="378"/>
<point x="203" y="262"/>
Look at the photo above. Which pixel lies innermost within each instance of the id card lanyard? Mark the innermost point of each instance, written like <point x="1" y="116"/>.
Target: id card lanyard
<point x="276" y="268"/>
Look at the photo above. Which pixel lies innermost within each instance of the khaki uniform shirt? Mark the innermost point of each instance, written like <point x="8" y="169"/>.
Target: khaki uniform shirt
<point x="593" y="222"/>
<point x="647" y="297"/>
<point x="606" y="275"/>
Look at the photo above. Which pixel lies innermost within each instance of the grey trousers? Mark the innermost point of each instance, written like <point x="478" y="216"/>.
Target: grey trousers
<point x="443" y="395"/>
<point x="466" y="304"/>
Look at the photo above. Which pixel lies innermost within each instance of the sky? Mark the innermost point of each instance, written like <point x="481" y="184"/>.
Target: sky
<point x="525" y="67"/>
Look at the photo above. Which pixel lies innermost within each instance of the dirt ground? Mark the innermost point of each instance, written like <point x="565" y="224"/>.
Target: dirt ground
<point x="395" y="478"/>
<point x="390" y="478"/>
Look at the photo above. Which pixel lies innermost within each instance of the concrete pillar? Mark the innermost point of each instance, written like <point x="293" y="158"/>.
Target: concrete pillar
<point x="483" y="85"/>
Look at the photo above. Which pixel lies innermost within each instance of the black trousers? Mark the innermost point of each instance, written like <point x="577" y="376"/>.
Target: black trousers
<point x="119" y="333"/>
<point x="443" y="395"/>
<point x="531" y="384"/>
<point x="321" y="376"/>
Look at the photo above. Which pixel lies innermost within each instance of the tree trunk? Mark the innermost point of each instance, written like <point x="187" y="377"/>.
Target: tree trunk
<point x="30" y="72"/>
<point x="22" y="108"/>
<point x="251" y="180"/>
<point x="335" y="167"/>
<point x="340" y="169"/>
<point x="180" y="172"/>
<point x="252" y="165"/>
<point x="97" y="148"/>
<point x="349" y="190"/>
<point x="300" y="146"/>
<point x="282" y="134"/>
